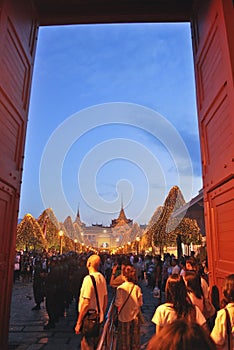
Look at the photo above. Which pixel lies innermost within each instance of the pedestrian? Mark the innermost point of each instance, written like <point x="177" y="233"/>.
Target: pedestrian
<point x="38" y="284"/>
<point x="195" y="292"/>
<point x="87" y="300"/>
<point x="79" y="273"/>
<point x="191" y="265"/>
<point x="17" y="264"/>
<point x="223" y="331"/>
<point x="177" y="306"/>
<point x="108" y="269"/>
<point x="175" y="266"/>
<point x="181" y="335"/>
<point x="128" y="301"/>
<point x="51" y="292"/>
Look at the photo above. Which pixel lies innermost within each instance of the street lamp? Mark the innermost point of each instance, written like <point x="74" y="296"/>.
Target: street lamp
<point x="137" y="241"/>
<point x="82" y="247"/>
<point x="60" y="237"/>
<point x="75" y="241"/>
<point x="129" y="247"/>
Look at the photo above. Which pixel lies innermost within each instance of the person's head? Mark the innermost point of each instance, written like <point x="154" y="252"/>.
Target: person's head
<point x="174" y="262"/>
<point x="193" y="283"/>
<point x="175" y="288"/>
<point x="181" y="335"/>
<point x="176" y="294"/>
<point x="228" y="288"/>
<point x="93" y="262"/>
<point x="157" y="259"/>
<point x="191" y="264"/>
<point x="129" y="273"/>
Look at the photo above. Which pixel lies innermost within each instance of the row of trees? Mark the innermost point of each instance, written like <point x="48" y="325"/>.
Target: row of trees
<point x="43" y="234"/>
<point x="165" y="229"/>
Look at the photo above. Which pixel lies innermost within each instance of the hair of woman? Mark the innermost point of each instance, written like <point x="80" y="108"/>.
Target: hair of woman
<point x="228" y="288"/>
<point x="181" y="335"/>
<point x="130" y="273"/>
<point x="193" y="283"/>
<point x="176" y="294"/>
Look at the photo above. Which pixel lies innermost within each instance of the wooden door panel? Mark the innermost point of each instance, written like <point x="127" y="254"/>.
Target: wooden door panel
<point x="8" y="220"/>
<point x="215" y="95"/>
<point x="18" y="32"/>
<point x="220" y="232"/>
<point x="217" y="141"/>
<point x="12" y="133"/>
<point x="214" y="68"/>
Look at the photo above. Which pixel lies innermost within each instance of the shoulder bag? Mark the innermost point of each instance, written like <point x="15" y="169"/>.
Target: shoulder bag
<point x="229" y="330"/>
<point x="91" y="321"/>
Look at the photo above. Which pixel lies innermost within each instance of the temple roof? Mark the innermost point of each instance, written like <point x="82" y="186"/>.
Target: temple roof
<point x="121" y="220"/>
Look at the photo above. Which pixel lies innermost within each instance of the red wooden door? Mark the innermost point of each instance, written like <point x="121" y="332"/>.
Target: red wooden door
<point x="18" y="32"/>
<point x="213" y="43"/>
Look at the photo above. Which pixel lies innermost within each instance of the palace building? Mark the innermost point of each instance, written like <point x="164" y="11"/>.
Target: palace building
<point x="106" y="237"/>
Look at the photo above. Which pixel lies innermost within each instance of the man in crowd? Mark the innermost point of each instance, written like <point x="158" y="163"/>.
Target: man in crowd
<point x="88" y="301"/>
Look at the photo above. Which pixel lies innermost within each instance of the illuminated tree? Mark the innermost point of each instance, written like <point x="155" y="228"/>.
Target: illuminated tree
<point x="189" y="231"/>
<point x="29" y="235"/>
<point x="68" y="224"/>
<point x="163" y="231"/>
<point x="78" y="234"/>
<point x="148" y="234"/>
<point x="50" y="227"/>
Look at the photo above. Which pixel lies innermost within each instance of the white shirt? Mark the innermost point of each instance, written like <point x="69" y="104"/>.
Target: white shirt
<point x="133" y="304"/>
<point x="219" y="332"/>
<point x="87" y="292"/>
<point x="175" y="269"/>
<point x="165" y="314"/>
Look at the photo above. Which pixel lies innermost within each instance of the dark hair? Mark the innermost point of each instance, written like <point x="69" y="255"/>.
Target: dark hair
<point x="130" y="273"/>
<point x="193" y="283"/>
<point x="181" y="335"/>
<point x="176" y="293"/>
<point x="228" y="288"/>
<point x="192" y="261"/>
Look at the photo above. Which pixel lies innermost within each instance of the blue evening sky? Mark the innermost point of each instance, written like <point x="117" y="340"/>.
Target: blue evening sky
<point x="112" y="120"/>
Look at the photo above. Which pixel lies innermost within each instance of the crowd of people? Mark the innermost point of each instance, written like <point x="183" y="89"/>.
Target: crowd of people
<point x="185" y="317"/>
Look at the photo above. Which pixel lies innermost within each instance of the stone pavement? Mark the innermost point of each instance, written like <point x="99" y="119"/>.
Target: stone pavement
<point x="26" y="326"/>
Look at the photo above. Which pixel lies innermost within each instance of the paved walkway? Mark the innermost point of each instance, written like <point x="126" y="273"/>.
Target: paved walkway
<point x="26" y="326"/>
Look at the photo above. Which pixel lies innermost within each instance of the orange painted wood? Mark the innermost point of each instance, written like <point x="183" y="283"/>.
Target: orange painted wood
<point x="18" y="30"/>
<point x="212" y="28"/>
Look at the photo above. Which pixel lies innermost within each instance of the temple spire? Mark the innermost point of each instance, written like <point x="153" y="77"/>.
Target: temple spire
<point x="121" y="201"/>
<point x="78" y="212"/>
<point x="122" y="219"/>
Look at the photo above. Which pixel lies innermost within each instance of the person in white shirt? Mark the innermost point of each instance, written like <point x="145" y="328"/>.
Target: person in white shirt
<point x="177" y="306"/>
<point x="175" y="266"/>
<point x="219" y="333"/>
<point x="88" y="301"/>
<point x="128" y="301"/>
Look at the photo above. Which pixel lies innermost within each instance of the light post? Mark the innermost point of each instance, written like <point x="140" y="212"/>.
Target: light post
<point x="60" y="237"/>
<point x="138" y="242"/>
<point x="82" y="247"/>
<point x="75" y="241"/>
<point x="129" y="247"/>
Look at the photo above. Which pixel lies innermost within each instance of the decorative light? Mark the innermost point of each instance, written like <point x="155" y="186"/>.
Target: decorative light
<point x="61" y="236"/>
<point x="75" y="241"/>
